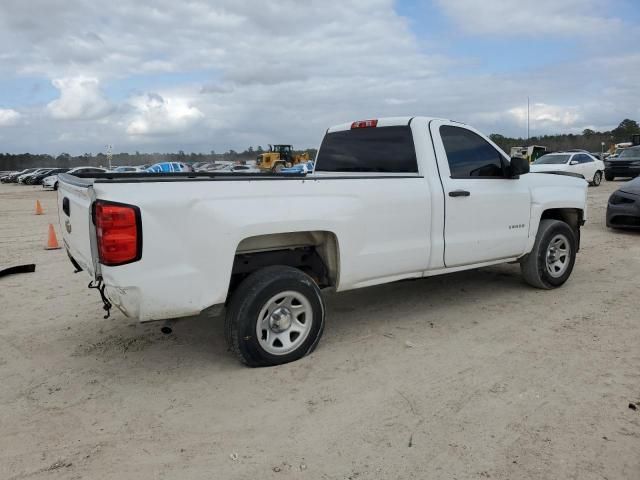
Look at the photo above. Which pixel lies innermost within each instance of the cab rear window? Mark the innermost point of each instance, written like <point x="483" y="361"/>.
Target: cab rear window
<point x="383" y="149"/>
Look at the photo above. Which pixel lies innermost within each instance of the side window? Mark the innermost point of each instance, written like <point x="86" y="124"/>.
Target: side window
<point x="585" y="158"/>
<point x="469" y="155"/>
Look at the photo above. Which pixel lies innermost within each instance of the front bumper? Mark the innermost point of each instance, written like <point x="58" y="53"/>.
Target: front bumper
<point x="622" y="171"/>
<point x="623" y="210"/>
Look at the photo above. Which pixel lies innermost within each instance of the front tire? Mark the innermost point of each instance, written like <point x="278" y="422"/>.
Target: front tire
<point x="275" y="316"/>
<point x="609" y="177"/>
<point x="597" y="178"/>
<point x="550" y="262"/>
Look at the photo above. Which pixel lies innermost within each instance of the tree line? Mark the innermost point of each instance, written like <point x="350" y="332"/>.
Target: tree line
<point x="588" y="140"/>
<point x="19" y="161"/>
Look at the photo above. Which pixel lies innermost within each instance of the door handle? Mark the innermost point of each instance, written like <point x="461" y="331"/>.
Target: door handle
<point x="459" y="193"/>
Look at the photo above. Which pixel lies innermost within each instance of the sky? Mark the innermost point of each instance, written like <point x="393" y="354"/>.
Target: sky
<point x="203" y="75"/>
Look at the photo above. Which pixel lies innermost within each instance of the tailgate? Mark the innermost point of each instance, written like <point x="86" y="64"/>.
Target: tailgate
<point x="75" y="199"/>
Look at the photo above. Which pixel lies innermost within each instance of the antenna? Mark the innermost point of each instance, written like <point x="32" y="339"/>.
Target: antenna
<point x="109" y="155"/>
<point x="528" y="136"/>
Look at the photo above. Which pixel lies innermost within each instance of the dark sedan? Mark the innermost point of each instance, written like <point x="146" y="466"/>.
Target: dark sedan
<point x="37" y="178"/>
<point x="623" y="210"/>
<point x="13" y="178"/>
<point x="627" y="164"/>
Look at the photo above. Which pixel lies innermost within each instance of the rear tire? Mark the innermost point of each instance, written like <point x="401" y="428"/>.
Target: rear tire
<point x="550" y="262"/>
<point x="609" y="177"/>
<point x="276" y="316"/>
<point x="597" y="178"/>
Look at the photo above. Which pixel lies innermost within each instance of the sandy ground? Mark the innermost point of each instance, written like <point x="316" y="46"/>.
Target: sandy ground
<point x="467" y="376"/>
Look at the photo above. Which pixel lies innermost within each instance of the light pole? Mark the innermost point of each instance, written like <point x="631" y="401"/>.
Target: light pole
<point x="109" y="156"/>
<point x="601" y="150"/>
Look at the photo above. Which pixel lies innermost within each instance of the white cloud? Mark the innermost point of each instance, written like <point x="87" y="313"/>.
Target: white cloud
<point x="219" y="74"/>
<point x="155" y="115"/>
<point x="80" y="99"/>
<point x="548" y="116"/>
<point x="9" y="117"/>
<point x="526" y="18"/>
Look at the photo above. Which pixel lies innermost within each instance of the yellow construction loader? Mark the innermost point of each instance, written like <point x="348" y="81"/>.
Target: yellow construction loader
<point x="279" y="157"/>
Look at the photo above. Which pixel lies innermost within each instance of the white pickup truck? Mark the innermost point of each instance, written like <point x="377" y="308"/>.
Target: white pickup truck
<point x="389" y="199"/>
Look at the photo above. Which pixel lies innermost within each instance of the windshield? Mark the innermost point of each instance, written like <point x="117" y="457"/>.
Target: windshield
<point x="630" y="153"/>
<point x="552" y="160"/>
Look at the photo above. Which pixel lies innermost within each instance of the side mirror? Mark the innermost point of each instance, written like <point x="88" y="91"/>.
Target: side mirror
<point x="573" y="162"/>
<point x="519" y="166"/>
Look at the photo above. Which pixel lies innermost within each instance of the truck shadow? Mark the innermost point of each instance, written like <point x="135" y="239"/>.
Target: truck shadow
<point x="198" y="342"/>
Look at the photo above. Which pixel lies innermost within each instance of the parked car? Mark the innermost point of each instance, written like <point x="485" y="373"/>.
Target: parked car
<point x="23" y="178"/>
<point x="626" y="164"/>
<point x="389" y="199"/>
<point x="205" y="167"/>
<point x="29" y="179"/>
<point x="305" y="167"/>
<point x="577" y="162"/>
<point x="37" y="179"/>
<point x="169" y="167"/>
<point x="52" y="180"/>
<point x="5" y="175"/>
<point x="13" y="178"/>
<point x="128" y="169"/>
<point x="623" y="209"/>
<point x="200" y="166"/>
<point x="245" y="168"/>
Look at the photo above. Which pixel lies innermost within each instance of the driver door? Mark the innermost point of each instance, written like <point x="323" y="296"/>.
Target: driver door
<point x="486" y="212"/>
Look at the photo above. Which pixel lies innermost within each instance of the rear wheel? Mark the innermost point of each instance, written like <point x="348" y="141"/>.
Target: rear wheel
<point x="597" y="178"/>
<point x="609" y="177"/>
<point x="275" y="316"/>
<point x="550" y="262"/>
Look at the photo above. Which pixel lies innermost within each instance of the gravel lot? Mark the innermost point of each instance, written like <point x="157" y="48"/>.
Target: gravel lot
<point x="468" y="376"/>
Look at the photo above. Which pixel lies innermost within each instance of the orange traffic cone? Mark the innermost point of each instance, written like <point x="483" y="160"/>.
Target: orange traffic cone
<point x="39" y="210"/>
<point x="52" y="242"/>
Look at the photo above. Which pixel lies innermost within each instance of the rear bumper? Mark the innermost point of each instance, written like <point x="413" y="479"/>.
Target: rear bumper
<point x="624" y="215"/>
<point x="159" y="300"/>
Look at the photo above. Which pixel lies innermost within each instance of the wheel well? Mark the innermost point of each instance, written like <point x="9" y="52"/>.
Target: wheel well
<point x="315" y="253"/>
<point x="573" y="217"/>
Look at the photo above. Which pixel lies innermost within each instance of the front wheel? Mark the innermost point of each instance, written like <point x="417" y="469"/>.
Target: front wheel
<point x="608" y="177"/>
<point x="597" y="178"/>
<point x="275" y="316"/>
<point x="550" y="262"/>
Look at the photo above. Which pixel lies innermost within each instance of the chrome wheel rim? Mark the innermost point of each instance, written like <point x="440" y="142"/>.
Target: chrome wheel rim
<point x="558" y="254"/>
<point x="284" y="322"/>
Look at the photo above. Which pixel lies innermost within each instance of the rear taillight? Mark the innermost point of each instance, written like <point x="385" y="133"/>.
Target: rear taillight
<point x="364" y="124"/>
<point x="119" y="233"/>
